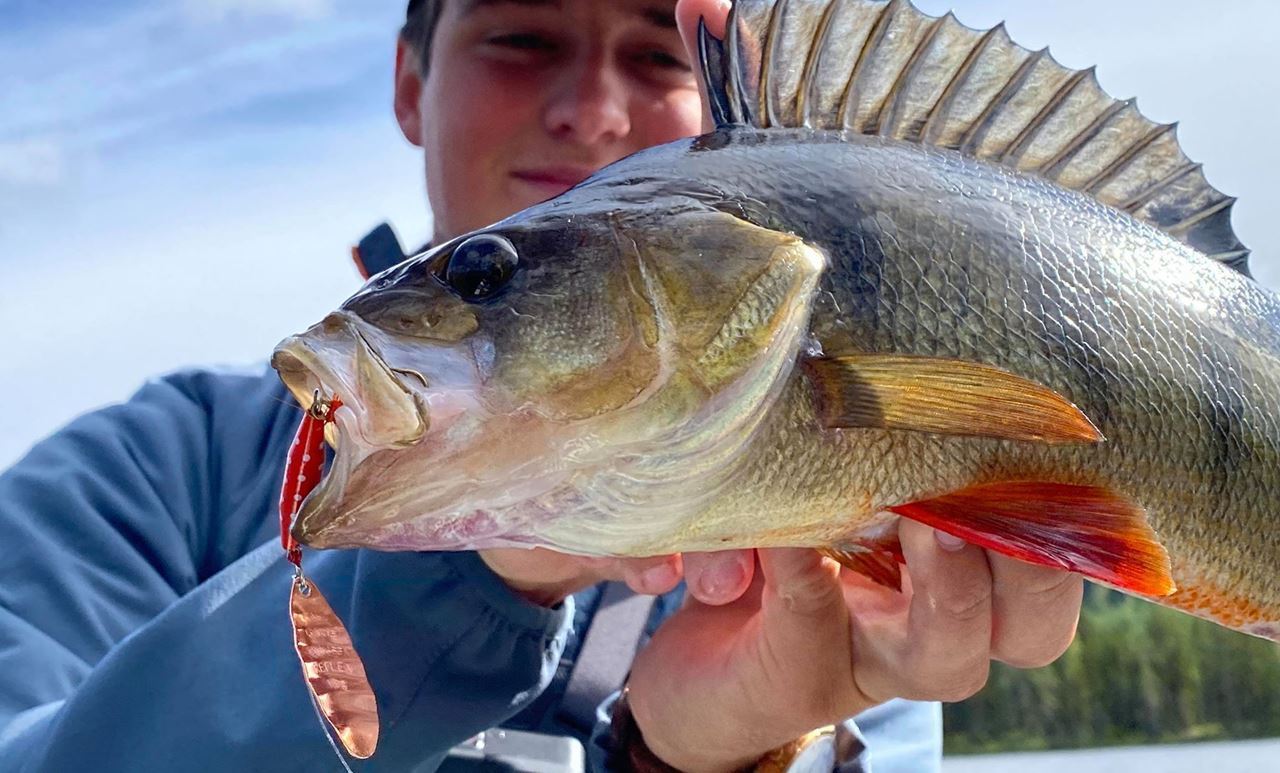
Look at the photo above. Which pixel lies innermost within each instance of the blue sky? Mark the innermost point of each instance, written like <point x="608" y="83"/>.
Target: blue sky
<point x="180" y="182"/>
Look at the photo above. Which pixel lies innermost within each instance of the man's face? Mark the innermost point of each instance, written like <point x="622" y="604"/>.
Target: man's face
<point x="524" y="98"/>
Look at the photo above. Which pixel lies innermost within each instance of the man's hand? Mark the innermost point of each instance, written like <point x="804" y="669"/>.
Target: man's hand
<point x="808" y="644"/>
<point x="716" y="14"/>
<point x="546" y="577"/>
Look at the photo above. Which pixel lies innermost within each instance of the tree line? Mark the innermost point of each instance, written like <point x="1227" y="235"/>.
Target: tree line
<point x="1136" y="673"/>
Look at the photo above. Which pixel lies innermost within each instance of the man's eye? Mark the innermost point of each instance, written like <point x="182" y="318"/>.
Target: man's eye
<point x="663" y="60"/>
<point x="523" y="41"/>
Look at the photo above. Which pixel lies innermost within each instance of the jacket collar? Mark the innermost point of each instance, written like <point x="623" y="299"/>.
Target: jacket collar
<point x="379" y="250"/>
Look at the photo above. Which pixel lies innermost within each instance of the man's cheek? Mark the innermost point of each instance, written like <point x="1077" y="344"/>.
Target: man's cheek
<point x="673" y="117"/>
<point x="492" y="90"/>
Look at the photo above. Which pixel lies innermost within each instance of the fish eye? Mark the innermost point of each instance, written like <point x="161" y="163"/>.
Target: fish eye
<point x="480" y="266"/>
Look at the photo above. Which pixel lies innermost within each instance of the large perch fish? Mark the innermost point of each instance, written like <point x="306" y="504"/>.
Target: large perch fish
<point x="916" y="271"/>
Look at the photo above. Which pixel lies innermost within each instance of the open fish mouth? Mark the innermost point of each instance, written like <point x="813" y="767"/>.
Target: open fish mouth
<point x="337" y="358"/>
<point x="394" y="396"/>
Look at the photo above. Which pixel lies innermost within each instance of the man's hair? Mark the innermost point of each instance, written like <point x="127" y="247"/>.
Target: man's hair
<point x="420" y="20"/>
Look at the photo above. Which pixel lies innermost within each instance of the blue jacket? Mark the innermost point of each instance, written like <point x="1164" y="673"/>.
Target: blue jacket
<point x="144" y="623"/>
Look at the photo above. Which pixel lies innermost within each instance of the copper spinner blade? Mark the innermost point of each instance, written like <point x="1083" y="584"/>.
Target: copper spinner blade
<point x="333" y="670"/>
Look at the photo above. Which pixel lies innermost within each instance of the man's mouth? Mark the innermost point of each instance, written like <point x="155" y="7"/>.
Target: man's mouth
<point x="551" y="181"/>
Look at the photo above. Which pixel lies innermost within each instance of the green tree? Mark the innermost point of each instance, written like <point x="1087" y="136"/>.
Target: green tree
<point x="1137" y="673"/>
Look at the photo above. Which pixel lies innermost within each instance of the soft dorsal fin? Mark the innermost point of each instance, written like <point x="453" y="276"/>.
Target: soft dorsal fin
<point x="883" y="67"/>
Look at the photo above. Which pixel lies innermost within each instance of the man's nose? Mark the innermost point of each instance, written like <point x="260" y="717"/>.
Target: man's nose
<point x="589" y="105"/>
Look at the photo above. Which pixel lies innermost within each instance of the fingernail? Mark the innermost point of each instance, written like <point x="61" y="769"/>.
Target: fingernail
<point x="721" y="579"/>
<point x="948" y="542"/>
<point x="658" y="576"/>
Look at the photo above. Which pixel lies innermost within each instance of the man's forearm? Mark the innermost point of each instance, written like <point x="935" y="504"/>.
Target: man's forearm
<point x="214" y="681"/>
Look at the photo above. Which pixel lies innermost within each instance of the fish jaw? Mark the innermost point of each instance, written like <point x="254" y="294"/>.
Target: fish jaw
<point x="473" y="486"/>
<point x="394" y="397"/>
<point x="335" y="358"/>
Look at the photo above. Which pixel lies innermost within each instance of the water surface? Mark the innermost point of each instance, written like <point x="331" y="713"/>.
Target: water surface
<point x="1219" y="757"/>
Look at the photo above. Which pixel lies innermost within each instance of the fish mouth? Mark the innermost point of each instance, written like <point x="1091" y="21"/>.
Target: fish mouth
<point x="336" y="359"/>
<point x="395" y="395"/>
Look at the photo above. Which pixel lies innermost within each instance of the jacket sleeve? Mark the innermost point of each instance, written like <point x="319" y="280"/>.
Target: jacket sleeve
<point x="141" y="630"/>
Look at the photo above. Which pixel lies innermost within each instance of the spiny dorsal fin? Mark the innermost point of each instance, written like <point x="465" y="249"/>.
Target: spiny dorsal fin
<point x="882" y="67"/>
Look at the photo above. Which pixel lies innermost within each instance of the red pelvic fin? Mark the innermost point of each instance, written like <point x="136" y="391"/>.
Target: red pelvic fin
<point x="1091" y="530"/>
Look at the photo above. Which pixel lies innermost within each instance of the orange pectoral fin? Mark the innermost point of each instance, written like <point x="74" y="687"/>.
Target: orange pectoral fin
<point x="877" y="560"/>
<point x="952" y="397"/>
<point x="1086" y="529"/>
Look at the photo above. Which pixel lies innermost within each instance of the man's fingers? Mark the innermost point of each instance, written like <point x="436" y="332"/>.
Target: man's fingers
<point x="715" y="14"/>
<point x="945" y="651"/>
<point x="720" y="577"/>
<point x="807" y="630"/>
<point x="802" y="581"/>
<point x="1034" y="611"/>
<point x="650" y="576"/>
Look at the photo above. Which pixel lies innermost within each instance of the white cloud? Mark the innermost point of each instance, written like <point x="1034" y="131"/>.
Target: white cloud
<point x="172" y="262"/>
<point x="32" y="162"/>
<point x="221" y="10"/>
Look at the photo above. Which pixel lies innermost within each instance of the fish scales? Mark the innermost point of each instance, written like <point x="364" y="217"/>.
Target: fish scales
<point x="935" y="254"/>
<point x="998" y="302"/>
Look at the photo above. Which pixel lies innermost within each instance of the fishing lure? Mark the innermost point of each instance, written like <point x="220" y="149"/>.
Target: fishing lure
<point x="332" y="668"/>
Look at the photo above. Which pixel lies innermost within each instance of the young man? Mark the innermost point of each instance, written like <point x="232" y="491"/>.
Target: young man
<point x="142" y="594"/>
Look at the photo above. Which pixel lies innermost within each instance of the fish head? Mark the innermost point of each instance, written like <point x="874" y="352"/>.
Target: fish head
<point x="489" y="383"/>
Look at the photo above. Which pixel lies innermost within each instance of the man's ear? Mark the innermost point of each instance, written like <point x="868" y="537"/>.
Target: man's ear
<point x="408" y="92"/>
